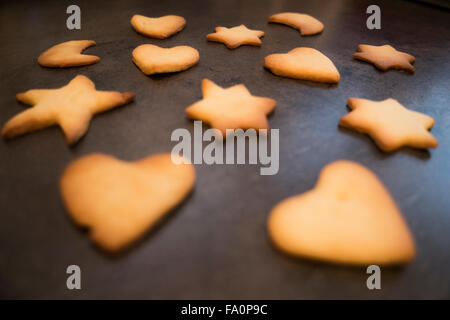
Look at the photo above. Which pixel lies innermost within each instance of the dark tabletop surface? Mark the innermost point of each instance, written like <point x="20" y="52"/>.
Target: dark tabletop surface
<point x="215" y="244"/>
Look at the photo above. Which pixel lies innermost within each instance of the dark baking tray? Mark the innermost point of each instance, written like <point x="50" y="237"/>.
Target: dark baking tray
<point x="215" y="245"/>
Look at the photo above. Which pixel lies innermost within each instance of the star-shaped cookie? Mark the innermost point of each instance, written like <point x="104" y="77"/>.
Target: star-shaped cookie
<point x="390" y="124"/>
<point x="71" y="107"/>
<point x="231" y="108"/>
<point x="68" y="54"/>
<point x="236" y="36"/>
<point x="385" y="57"/>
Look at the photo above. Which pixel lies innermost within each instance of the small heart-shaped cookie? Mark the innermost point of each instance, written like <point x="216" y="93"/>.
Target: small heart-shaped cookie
<point x="160" y="28"/>
<point x="303" y="63"/>
<point x="118" y="201"/>
<point x="348" y="218"/>
<point x="153" y="59"/>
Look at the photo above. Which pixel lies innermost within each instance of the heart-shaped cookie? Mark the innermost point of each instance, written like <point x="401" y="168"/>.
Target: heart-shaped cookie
<point x="153" y="59"/>
<point x="349" y="217"/>
<point x="303" y="63"/>
<point x="160" y="28"/>
<point x="117" y="200"/>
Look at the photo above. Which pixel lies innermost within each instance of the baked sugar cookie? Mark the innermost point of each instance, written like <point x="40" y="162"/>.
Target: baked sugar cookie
<point x="231" y="108"/>
<point x="385" y="57"/>
<point x="160" y="28"/>
<point x="348" y="218"/>
<point x="119" y="201"/>
<point x="390" y="124"/>
<point x="304" y="23"/>
<point x="303" y="63"/>
<point x="71" y="107"/>
<point x="153" y="59"/>
<point x="236" y="36"/>
<point x="68" y="54"/>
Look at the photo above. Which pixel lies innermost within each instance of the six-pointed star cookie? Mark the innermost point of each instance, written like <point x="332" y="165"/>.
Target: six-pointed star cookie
<point x="71" y="107"/>
<point x="385" y="57"/>
<point x="390" y="124"/>
<point x="231" y="108"/>
<point x="236" y="36"/>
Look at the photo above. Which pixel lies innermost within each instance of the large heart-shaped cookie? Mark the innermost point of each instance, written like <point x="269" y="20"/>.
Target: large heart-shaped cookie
<point x="153" y="59"/>
<point x="303" y="63"/>
<point x="349" y="217"/>
<point x="118" y="201"/>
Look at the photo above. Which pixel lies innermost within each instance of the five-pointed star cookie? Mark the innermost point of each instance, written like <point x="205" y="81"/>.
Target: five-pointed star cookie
<point x="231" y="108"/>
<point x="385" y="57"/>
<point x="236" y="36"/>
<point x="390" y="124"/>
<point x="68" y="54"/>
<point x="71" y="107"/>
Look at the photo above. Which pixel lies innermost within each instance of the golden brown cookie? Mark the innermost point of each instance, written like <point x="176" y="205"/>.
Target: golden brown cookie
<point x="236" y="36"/>
<point x="348" y="218"/>
<point x="153" y="59"/>
<point x="385" y="57"/>
<point x="231" y="108"/>
<point x="160" y="28"/>
<point x="303" y="63"/>
<point x="119" y="201"/>
<point x="71" y="107"/>
<point x="68" y="54"/>
<point x="389" y="124"/>
<point x="304" y="23"/>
